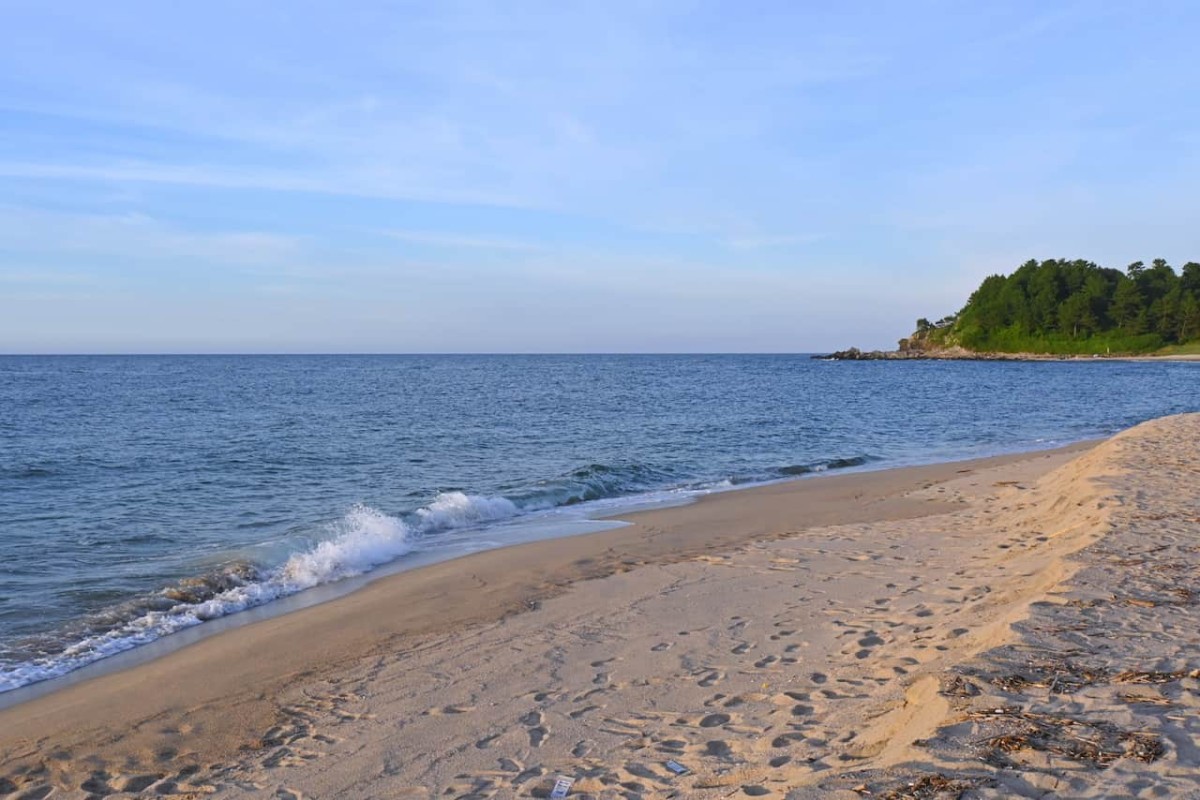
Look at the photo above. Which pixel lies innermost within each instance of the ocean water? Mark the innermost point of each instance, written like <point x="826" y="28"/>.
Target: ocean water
<point x="143" y="495"/>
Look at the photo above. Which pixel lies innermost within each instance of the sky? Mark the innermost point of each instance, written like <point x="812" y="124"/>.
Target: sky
<point x="572" y="177"/>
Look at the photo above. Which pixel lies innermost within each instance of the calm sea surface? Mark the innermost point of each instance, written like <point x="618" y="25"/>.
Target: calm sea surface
<point x="143" y="495"/>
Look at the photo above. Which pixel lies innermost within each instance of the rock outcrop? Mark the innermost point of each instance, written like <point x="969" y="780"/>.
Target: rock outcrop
<point x="935" y="354"/>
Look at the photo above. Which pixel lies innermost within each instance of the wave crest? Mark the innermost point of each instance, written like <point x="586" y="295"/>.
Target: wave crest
<point x="825" y="466"/>
<point x="363" y="539"/>
<point x="460" y="510"/>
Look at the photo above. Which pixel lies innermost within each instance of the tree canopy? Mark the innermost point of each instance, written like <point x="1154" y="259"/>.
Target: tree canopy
<point x="1060" y="306"/>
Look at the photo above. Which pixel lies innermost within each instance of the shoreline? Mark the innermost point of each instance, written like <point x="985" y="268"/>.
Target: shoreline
<point x="531" y="529"/>
<point x="233" y="680"/>
<point x="960" y="354"/>
<point x="1019" y="626"/>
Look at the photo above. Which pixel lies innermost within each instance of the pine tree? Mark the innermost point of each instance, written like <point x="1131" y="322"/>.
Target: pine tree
<point x="1127" y="307"/>
<point x="1076" y="306"/>
<point x="1189" y="318"/>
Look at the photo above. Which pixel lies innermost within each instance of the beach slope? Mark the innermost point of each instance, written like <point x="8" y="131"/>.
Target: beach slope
<point x="1004" y="627"/>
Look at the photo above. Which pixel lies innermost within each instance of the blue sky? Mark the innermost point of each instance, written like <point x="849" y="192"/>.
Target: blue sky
<point x="561" y="177"/>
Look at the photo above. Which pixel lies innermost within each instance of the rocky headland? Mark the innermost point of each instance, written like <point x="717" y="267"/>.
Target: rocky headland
<point x="938" y="354"/>
<point x="925" y="344"/>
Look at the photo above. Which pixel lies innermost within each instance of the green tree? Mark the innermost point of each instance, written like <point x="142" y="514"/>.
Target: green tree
<point x="1156" y="282"/>
<point x="987" y="302"/>
<point x="1044" y="296"/>
<point x="1095" y="290"/>
<point x="1127" y="308"/>
<point x="1076" y="306"/>
<point x="1075" y="316"/>
<point x="1015" y="305"/>
<point x="1189" y="318"/>
<point x="1167" y="324"/>
<point x="1189" y="281"/>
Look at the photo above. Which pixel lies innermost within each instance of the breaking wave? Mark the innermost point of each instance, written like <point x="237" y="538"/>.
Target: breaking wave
<point x="825" y="466"/>
<point x="363" y="539"/>
<point x="595" y="482"/>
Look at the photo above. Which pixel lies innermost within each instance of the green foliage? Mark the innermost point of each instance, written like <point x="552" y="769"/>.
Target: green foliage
<point x="1077" y="307"/>
<point x="1189" y="349"/>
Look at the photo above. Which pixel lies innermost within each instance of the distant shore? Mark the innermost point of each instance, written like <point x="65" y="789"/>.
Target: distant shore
<point x="962" y="354"/>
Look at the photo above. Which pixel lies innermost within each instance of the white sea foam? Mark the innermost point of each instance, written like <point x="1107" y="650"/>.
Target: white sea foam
<point x="363" y="539"/>
<point x="459" y="510"/>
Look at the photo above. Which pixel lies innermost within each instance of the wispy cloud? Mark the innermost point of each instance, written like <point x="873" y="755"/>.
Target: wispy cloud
<point x="459" y="242"/>
<point x="674" y="157"/>
<point x="380" y="184"/>
<point x="138" y="237"/>
<point x="465" y="112"/>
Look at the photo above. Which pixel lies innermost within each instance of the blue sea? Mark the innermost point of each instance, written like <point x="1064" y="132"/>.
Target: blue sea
<point x="145" y="495"/>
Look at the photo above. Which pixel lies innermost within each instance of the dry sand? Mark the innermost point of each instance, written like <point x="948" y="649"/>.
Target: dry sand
<point x="1180" y="357"/>
<point x="1021" y="626"/>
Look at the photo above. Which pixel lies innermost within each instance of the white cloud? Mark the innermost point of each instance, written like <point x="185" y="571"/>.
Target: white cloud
<point x="137" y="236"/>
<point x="378" y="183"/>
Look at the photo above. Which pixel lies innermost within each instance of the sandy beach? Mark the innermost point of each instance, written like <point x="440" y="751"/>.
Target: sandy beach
<point x="1014" y="626"/>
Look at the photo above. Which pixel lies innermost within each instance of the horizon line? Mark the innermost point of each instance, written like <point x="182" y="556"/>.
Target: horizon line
<point x="415" y="354"/>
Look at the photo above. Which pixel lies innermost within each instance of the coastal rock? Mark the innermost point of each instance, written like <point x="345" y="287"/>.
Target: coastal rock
<point x="939" y="354"/>
<point x="854" y="354"/>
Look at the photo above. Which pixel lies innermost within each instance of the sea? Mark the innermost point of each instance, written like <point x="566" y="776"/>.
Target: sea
<point x="145" y="496"/>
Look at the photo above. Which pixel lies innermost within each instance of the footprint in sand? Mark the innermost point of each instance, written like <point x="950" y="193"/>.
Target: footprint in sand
<point x="136" y="783"/>
<point x="537" y="731"/>
<point x="579" y="712"/>
<point x="786" y="739"/>
<point x="528" y="775"/>
<point x="717" y="747"/>
<point x="97" y="784"/>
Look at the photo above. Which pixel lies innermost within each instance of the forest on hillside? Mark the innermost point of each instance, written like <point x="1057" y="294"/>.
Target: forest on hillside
<point x="1060" y="306"/>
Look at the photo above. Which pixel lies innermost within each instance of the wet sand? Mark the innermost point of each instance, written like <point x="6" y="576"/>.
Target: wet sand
<point x="844" y="634"/>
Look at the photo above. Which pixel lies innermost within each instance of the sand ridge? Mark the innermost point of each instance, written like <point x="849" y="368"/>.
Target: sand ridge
<point x="778" y="659"/>
<point x="1095" y="692"/>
